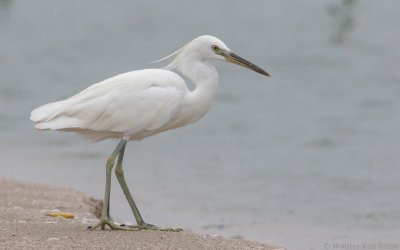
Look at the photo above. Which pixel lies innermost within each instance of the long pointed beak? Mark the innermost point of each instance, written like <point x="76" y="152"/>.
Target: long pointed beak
<point x="233" y="58"/>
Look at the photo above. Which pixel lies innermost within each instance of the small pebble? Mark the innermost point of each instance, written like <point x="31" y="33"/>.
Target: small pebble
<point x="52" y="239"/>
<point x="51" y="222"/>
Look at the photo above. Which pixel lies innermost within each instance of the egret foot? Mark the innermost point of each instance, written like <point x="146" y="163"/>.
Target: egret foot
<point x="112" y="225"/>
<point x="146" y="226"/>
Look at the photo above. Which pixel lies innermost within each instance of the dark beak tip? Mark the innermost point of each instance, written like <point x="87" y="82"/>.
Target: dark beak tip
<point x="265" y="73"/>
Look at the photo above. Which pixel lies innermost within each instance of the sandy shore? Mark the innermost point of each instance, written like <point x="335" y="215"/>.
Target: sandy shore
<point x="25" y="224"/>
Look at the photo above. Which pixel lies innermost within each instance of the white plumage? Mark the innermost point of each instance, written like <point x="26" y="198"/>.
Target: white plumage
<point x="128" y="105"/>
<point x="140" y="103"/>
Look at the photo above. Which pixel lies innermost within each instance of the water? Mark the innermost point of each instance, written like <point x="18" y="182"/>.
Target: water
<point x="308" y="157"/>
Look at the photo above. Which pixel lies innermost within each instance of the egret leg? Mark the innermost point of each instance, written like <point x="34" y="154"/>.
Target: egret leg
<point x="119" y="172"/>
<point x="105" y="217"/>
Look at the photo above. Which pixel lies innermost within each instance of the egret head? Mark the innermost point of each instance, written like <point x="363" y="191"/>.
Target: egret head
<point x="209" y="47"/>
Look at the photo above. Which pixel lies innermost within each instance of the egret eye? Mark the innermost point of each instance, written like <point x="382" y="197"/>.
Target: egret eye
<point x="215" y="48"/>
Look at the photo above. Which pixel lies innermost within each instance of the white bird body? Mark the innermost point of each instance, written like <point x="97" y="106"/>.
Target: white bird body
<point x="138" y="104"/>
<point x="132" y="105"/>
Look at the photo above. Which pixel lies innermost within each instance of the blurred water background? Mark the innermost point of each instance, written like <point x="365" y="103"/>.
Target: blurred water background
<point x="307" y="157"/>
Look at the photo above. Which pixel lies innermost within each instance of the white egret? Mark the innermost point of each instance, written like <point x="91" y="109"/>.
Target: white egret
<point x="138" y="104"/>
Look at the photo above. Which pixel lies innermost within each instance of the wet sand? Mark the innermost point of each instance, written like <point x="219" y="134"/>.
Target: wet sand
<point x="25" y="224"/>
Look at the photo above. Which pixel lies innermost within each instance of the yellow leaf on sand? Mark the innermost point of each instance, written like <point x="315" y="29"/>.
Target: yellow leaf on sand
<point x="65" y="215"/>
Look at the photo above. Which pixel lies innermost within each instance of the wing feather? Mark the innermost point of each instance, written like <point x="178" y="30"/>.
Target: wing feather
<point x="127" y="104"/>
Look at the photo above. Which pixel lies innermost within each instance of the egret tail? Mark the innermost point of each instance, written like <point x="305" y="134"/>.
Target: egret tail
<point x="53" y="116"/>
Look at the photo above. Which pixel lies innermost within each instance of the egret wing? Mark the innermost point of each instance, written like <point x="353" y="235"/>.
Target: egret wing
<point x="130" y="111"/>
<point x="128" y="103"/>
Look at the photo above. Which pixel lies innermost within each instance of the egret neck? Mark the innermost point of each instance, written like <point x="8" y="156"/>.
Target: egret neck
<point x="205" y="77"/>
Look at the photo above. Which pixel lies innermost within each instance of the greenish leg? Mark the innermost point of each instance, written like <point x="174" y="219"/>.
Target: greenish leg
<point x="119" y="172"/>
<point x="105" y="218"/>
